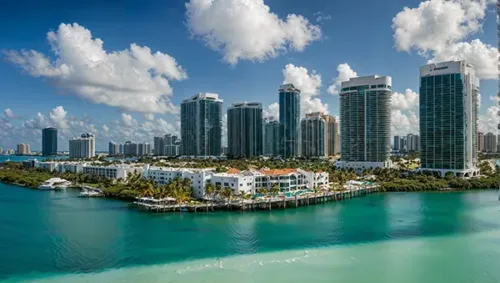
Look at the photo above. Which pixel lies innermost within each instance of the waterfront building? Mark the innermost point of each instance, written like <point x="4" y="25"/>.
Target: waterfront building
<point x="332" y="135"/>
<point x="244" y="130"/>
<point x="412" y="143"/>
<point x="201" y="125"/>
<point x="289" y="107"/>
<point x="312" y="129"/>
<point x="82" y="147"/>
<point x="272" y="135"/>
<point x="480" y="142"/>
<point x="111" y="172"/>
<point x="366" y="122"/>
<point x="490" y="143"/>
<point x="290" y="179"/>
<point x="49" y="141"/>
<point x="239" y="182"/>
<point x="23" y="149"/>
<point x="113" y="149"/>
<point x="449" y="132"/>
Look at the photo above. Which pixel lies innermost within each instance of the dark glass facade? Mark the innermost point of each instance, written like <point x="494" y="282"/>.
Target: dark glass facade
<point x="244" y="130"/>
<point x="49" y="141"/>
<point x="289" y="102"/>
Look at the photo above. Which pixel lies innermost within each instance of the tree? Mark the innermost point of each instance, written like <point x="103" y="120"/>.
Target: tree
<point x="275" y="189"/>
<point x="209" y="190"/>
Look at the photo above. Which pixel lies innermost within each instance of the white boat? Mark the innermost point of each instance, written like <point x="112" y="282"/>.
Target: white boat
<point x="90" y="192"/>
<point x="55" y="184"/>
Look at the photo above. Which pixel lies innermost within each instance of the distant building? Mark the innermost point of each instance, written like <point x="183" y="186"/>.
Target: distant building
<point x="136" y="149"/>
<point x="332" y="135"/>
<point x="272" y="135"/>
<point x="201" y="125"/>
<point x="365" y="117"/>
<point x="49" y="141"/>
<point x="448" y="133"/>
<point x="289" y="105"/>
<point x="82" y="147"/>
<point x="244" y="130"/>
<point x="312" y="129"/>
<point x="114" y="149"/>
<point x="412" y="143"/>
<point x="480" y="142"/>
<point x="490" y="143"/>
<point x="396" y="143"/>
<point x="23" y="149"/>
<point x="168" y="145"/>
<point x="1" y="150"/>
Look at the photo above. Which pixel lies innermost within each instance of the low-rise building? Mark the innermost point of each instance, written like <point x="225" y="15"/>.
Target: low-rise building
<point x="111" y="172"/>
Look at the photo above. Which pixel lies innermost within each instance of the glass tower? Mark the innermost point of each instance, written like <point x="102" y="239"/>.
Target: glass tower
<point x="313" y="136"/>
<point x="244" y="130"/>
<point x="49" y="141"/>
<point x="365" y="117"/>
<point x="289" y="100"/>
<point x="201" y="125"/>
<point x="448" y="118"/>
<point x="272" y="133"/>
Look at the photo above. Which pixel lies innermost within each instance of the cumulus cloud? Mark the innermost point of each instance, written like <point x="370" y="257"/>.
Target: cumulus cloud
<point x="272" y="112"/>
<point x="404" y="123"/>
<point x="321" y="17"/>
<point x="488" y="121"/>
<point x="438" y="30"/>
<point x="309" y="85"/>
<point x="405" y="101"/>
<point x="126" y="127"/>
<point x="134" y="79"/>
<point x="247" y="29"/>
<point x="8" y="113"/>
<point x="345" y="72"/>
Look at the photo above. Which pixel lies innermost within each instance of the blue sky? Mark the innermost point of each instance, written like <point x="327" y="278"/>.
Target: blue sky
<point x="357" y="33"/>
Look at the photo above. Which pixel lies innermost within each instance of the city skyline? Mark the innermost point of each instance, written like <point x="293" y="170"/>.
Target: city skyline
<point x="313" y="61"/>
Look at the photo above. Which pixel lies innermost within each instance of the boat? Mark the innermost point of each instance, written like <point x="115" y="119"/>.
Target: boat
<point x="55" y="184"/>
<point x="90" y="192"/>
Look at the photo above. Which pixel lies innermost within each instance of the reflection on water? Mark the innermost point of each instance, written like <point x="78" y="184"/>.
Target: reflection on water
<point x="57" y="232"/>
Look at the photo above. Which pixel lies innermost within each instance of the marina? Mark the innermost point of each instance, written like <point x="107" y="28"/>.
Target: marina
<point x="55" y="184"/>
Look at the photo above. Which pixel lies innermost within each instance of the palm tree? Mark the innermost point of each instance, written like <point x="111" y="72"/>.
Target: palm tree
<point x="275" y="189"/>
<point x="209" y="190"/>
<point x="262" y="191"/>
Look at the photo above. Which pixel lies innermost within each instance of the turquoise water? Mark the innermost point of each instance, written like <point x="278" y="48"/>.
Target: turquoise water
<point x="398" y="237"/>
<point x="15" y="158"/>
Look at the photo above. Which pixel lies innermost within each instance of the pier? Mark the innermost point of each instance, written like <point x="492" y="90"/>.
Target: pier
<point x="261" y="203"/>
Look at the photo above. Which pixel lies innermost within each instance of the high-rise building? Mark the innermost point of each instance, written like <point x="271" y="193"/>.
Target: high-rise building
<point x="366" y="122"/>
<point x="490" y="143"/>
<point x="201" y="125"/>
<point x="289" y="102"/>
<point x="412" y="143"/>
<point x="332" y="134"/>
<point x="402" y="144"/>
<point x="23" y="149"/>
<point x="272" y="135"/>
<point x="49" y="141"/>
<point x="448" y="118"/>
<point x="114" y="148"/>
<point x="396" y="143"/>
<point x="480" y="142"/>
<point x="159" y="146"/>
<point x="244" y="130"/>
<point x="82" y="147"/>
<point x="312" y="129"/>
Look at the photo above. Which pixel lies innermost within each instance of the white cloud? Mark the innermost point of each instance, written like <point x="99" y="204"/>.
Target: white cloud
<point x="119" y="130"/>
<point x="320" y="17"/>
<point x="247" y="29"/>
<point x="8" y="113"/>
<point x="489" y="121"/>
<point x="344" y="74"/>
<point x="405" y="101"/>
<point x="272" y="112"/>
<point x="133" y="79"/>
<point x="437" y="29"/>
<point x="403" y="124"/>
<point x="309" y="85"/>
<point x="149" y="116"/>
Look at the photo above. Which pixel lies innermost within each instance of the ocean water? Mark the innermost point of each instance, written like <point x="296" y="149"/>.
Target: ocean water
<point x="21" y="158"/>
<point x="396" y="237"/>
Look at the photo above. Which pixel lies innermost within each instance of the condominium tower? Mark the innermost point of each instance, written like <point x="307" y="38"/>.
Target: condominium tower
<point x="366" y="122"/>
<point x="289" y="102"/>
<point x="82" y="147"/>
<point x="332" y="137"/>
<point x="23" y="148"/>
<point x="448" y="118"/>
<point x="312" y="129"/>
<point x="49" y="141"/>
<point x="201" y="125"/>
<point x="272" y="135"/>
<point x="490" y="143"/>
<point x="244" y="130"/>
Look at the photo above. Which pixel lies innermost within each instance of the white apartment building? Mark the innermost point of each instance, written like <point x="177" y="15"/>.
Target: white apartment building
<point x="111" y="172"/>
<point x="82" y="147"/>
<point x="240" y="183"/>
<point x="72" y="167"/>
<point x="48" y="166"/>
<point x="23" y="149"/>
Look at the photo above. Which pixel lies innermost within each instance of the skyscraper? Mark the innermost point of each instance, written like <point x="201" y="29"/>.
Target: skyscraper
<point x="82" y="147"/>
<point x="113" y="148"/>
<point x="448" y="118"/>
<point x="412" y="143"/>
<point x="159" y="146"/>
<point x="480" y="142"/>
<point x="49" y="141"/>
<point x="366" y="122"/>
<point x="332" y="135"/>
<point x="312" y="129"/>
<point x="244" y="130"/>
<point x="396" y="143"/>
<point x="23" y="149"/>
<point x="289" y="100"/>
<point x="201" y="125"/>
<point x="490" y="143"/>
<point x="272" y="135"/>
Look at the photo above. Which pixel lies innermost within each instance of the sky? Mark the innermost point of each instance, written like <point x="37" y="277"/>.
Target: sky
<point x="120" y="69"/>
